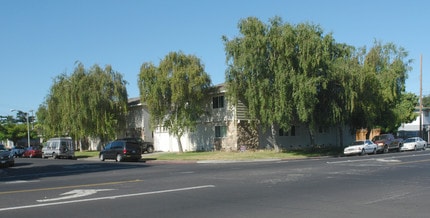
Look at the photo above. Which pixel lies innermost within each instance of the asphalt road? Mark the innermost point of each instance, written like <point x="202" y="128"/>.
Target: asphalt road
<point x="382" y="185"/>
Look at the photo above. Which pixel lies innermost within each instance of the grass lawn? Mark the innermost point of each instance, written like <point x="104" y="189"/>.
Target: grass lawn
<point x="237" y="155"/>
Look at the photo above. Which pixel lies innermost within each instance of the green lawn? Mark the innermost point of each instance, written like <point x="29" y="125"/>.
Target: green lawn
<point x="219" y="155"/>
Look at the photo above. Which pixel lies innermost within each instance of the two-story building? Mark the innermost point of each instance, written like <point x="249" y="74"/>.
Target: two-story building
<point x="137" y="121"/>
<point x="228" y="128"/>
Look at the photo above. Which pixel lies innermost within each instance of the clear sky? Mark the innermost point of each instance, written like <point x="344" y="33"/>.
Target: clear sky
<point x="41" y="39"/>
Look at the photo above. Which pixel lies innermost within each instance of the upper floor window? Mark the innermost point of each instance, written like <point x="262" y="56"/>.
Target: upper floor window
<point x="218" y="102"/>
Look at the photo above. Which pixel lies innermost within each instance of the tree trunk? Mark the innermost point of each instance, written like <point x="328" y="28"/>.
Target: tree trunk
<point x="311" y="136"/>
<point x="178" y="138"/>
<point x="340" y="136"/>
<point x="274" y="141"/>
<point x="80" y="145"/>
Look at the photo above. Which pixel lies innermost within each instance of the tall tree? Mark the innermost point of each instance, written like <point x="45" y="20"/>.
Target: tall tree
<point x="315" y="53"/>
<point x="380" y="87"/>
<point x="175" y="92"/>
<point x="336" y="98"/>
<point x="280" y="71"/>
<point x="256" y="75"/>
<point x="88" y="103"/>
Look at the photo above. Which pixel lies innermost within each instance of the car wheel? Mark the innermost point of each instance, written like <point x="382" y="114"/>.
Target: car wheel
<point x="150" y="149"/>
<point x="385" y="149"/>
<point x="118" y="158"/>
<point x="424" y="148"/>
<point x="102" y="157"/>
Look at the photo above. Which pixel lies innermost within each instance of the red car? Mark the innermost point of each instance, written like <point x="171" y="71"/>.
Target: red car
<point x="32" y="152"/>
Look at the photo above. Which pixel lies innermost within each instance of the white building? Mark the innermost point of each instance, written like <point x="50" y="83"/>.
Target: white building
<point x="228" y="128"/>
<point x="413" y="129"/>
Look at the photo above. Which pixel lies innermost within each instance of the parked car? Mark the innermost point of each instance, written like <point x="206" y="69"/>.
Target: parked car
<point x="6" y="158"/>
<point x="361" y="147"/>
<point x="17" y="151"/>
<point x="146" y="146"/>
<point x="33" y="151"/>
<point x="413" y="144"/>
<point x="61" y="147"/>
<point x="387" y="142"/>
<point x="121" y="150"/>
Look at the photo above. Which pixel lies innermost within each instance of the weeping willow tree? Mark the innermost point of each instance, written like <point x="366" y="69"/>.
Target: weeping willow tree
<point x="380" y="87"/>
<point x="279" y="71"/>
<point x="87" y="103"/>
<point x="175" y="92"/>
<point x="287" y="74"/>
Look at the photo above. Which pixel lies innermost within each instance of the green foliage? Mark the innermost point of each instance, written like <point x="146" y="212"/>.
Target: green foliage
<point x="16" y="128"/>
<point x="87" y="103"/>
<point x="408" y="102"/>
<point x="13" y="131"/>
<point x="287" y="74"/>
<point x="380" y="87"/>
<point x="175" y="92"/>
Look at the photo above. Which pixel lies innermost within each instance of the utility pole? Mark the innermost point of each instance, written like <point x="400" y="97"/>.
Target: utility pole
<point x="421" y="96"/>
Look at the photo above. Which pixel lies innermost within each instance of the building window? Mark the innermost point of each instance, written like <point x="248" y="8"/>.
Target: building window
<point x="218" y="102"/>
<point x="322" y="129"/>
<point x="220" y="131"/>
<point x="292" y="132"/>
<point x="282" y="132"/>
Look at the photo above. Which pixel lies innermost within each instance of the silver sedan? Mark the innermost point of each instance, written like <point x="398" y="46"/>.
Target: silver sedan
<point x="413" y="144"/>
<point x="361" y="147"/>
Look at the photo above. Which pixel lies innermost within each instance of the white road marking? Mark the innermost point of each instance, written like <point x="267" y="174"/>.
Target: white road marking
<point x="388" y="161"/>
<point x="105" y="198"/>
<point x="77" y="193"/>
<point x="21" y="181"/>
<point x="349" y="161"/>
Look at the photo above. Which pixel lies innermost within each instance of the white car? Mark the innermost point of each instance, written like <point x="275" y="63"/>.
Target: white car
<point x="413" y="144"/>
<point x="361" y="147"/>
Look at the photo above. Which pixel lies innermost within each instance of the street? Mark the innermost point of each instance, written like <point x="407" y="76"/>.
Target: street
<point x="382" y="185"/>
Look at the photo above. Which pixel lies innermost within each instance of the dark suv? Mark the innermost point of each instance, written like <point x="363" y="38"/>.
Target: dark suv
<point x="146" y="146"/>
<point x="6" y="158"/>
<point x="121" y="150"/>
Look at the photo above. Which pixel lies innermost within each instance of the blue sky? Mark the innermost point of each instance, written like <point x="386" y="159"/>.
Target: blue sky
<point x="42" y="39"/>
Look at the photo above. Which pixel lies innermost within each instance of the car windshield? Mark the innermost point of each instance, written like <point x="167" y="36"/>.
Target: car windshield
<point x="410" y="140"/>
<point x="2" y="147"/>
<point x="379" y="137"/>
<point x="358" y="143"/>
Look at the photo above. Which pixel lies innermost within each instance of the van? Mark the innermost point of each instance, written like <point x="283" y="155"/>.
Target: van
<point x="61" y="147"/>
